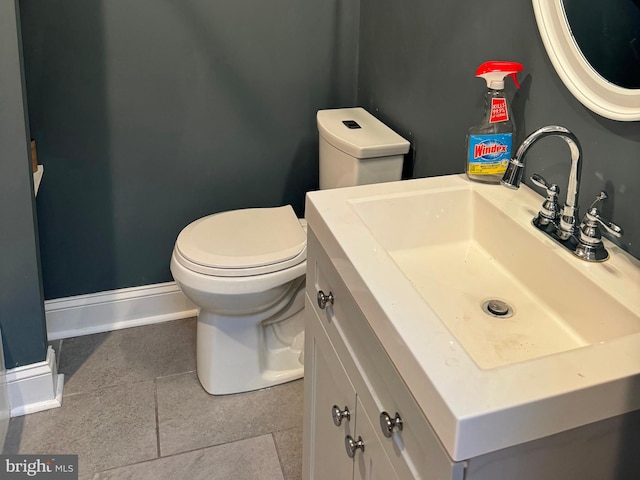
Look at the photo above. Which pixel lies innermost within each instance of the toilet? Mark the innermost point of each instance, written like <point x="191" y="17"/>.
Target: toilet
<point x="245" y="269"/>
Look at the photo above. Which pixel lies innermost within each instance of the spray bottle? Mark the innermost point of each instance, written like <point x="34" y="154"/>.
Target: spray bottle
<point x="489" y="142"/>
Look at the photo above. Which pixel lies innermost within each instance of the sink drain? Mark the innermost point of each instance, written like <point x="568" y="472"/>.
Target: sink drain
<point x="497" y="308"/>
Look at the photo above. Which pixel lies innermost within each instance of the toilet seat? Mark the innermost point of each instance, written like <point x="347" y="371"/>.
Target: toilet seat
<point x="243" y="242"/>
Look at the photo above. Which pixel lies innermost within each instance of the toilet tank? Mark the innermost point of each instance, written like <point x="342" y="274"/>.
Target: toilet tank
<point x="356" y="149"/>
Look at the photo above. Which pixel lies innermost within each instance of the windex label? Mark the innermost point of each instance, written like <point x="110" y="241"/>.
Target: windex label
<point x="489" y="154"/>
<point x="489" y="150"/>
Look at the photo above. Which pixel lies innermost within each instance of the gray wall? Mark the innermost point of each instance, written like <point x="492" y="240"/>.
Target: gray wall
<point x="21" y="307"/>
<point x="417" y="66"/>
<point x="151" y="114"/>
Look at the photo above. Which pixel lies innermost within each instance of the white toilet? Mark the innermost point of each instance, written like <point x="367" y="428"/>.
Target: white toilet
<point x="245" y="268"/>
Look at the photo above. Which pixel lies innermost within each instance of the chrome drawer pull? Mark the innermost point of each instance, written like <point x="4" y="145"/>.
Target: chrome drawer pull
<point x="387" y="424"/>
<point x="338" y="415"/>
<point x="324" y="300"/>
<point x="352" y="445"/>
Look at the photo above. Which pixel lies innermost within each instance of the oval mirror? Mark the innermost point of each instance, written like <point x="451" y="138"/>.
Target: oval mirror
<point x="609" y="85"/>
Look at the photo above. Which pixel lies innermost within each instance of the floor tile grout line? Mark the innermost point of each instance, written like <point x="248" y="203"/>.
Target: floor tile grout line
<point x="224" y="443"/>
<point x="114" y="385"/>
<point x="196" y="450"/>
<point x="279" y="430"/>
<point x="162" y="377"/>
<point x="157" y="414"/>
<point x="103" y="387"/>
<point x="275" y="444"/>
<point x="107" y="387"/>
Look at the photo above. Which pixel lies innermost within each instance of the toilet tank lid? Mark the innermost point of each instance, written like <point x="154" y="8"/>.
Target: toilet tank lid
<point x="247" y="238"/>
<point x="358" y="133"/>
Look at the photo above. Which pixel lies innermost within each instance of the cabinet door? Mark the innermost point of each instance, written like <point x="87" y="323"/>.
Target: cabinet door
<point x="372" y="463"/>
<point x="328" y="386"/>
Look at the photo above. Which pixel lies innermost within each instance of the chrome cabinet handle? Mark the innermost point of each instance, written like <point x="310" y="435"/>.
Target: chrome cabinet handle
<point x="338" y="415"/>
<point x="387" y="424"/>
<point x="324" y="300"/>
<point x="352" y="445"/>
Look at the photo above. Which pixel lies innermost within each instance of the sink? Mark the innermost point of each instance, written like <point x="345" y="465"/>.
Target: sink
<point x="460" y="251"/>
<point x="422" y="257"/>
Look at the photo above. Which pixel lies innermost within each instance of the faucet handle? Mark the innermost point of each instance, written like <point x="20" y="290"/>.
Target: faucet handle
<point x="592" y="218"/>
<point x="590" y="245"/>
<point x="539" y="180"/>
<point x="550" y="211"/>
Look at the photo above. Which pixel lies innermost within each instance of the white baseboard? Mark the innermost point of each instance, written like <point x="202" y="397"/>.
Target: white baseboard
<point x="35" y="387"/>
<point x="116" y="309"/>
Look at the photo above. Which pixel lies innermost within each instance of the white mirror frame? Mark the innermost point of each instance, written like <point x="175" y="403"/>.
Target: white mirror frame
<point x="592" y="90"/>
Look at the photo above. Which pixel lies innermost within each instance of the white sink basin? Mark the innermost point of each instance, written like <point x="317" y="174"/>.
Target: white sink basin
<point x="460" y="251"/>
<point x="422" y="256"/>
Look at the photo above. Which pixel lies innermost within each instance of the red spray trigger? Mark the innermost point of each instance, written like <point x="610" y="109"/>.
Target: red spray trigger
<point x="515" y="80"/>
<point x="494" y="72"/>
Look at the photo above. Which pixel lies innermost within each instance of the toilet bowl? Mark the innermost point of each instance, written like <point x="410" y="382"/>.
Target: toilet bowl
<point x="245" y="269"/>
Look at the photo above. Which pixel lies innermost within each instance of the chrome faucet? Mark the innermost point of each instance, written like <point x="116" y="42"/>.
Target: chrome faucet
<point x="583" y="240"/>
<point x="568" y="221"/>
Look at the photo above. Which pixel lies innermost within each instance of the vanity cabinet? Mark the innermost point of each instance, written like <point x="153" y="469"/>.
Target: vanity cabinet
<point x="347" y="367"/>
<point x="349" y="384"/>
<point x="338" y="418"/>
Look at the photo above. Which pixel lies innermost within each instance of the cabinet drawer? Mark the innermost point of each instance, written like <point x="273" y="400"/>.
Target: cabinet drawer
<point x="415" y="451"/>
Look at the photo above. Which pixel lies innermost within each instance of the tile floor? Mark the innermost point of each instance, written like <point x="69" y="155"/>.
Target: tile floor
<point x="133" y="409"/>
